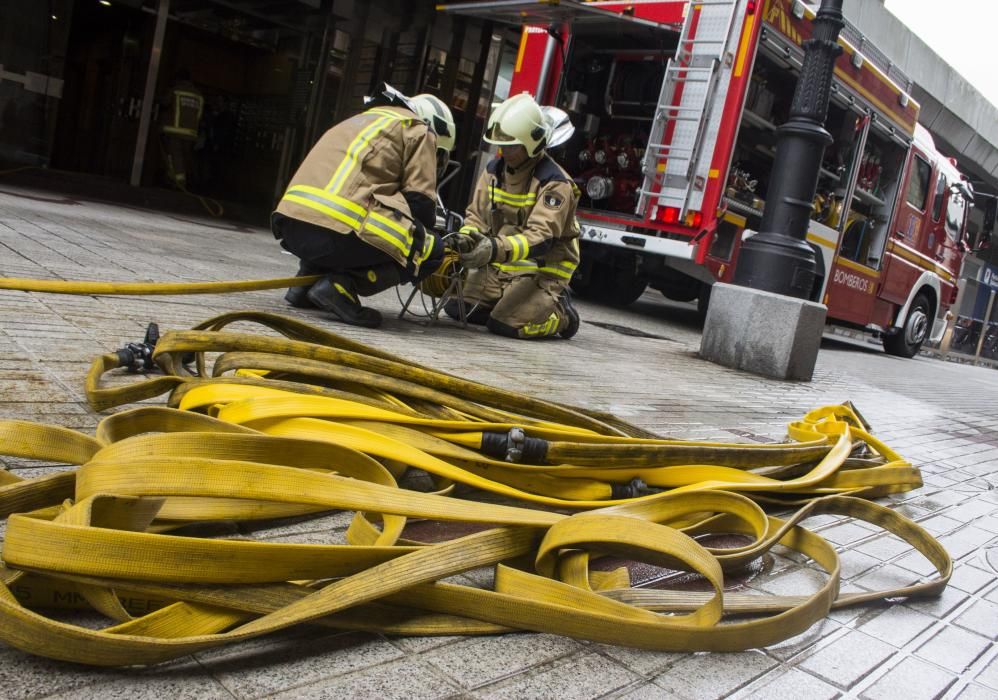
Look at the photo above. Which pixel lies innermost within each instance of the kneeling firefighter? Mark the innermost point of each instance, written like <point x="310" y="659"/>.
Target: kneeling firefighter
<point x="522" y="238"/>
<point x="361" y="205"/>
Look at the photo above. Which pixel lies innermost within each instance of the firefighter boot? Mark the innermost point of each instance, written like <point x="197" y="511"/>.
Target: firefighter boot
<point x="476" y="315"/>
<point x="298" y="296"/>
<point x="570" y="322"/>
<point x="337" y="294"/>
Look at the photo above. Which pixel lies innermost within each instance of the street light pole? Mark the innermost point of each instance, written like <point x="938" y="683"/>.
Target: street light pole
<point x="778" y="258"/>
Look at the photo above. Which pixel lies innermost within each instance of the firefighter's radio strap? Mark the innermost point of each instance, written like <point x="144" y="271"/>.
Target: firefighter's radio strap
<point x="312" y="421"/>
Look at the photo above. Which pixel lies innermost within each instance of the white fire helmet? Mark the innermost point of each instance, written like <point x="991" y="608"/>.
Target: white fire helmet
<point x="434" y="112"/>
<point x="519" y="120"/>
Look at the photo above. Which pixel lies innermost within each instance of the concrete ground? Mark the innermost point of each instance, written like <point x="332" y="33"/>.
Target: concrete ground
<point x="640" y="363"/>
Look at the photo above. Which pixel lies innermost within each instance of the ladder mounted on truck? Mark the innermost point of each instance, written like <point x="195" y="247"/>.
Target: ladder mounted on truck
<point x="687" y="119"/>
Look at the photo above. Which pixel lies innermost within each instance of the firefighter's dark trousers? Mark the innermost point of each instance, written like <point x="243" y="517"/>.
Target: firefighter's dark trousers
<point x="322" y="251"/>
<point x="179" y="154"/>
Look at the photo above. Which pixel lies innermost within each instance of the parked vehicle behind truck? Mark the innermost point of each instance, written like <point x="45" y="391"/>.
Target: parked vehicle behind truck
<point x="677" y="106"/>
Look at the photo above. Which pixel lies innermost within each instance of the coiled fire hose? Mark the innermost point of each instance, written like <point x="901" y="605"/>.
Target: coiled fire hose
<point x="305" y="421"/>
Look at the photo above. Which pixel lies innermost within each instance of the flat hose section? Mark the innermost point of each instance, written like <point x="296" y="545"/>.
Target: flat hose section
<point x="307" y="421"/>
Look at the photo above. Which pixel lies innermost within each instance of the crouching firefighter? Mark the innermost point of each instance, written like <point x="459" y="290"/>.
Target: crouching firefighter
<point x="360" y="207"/>
<point x="521" y="236"/>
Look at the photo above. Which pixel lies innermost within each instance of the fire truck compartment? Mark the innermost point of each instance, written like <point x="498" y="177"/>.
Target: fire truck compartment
<point x="611" y="88"/>
<point x="860" y="174"/>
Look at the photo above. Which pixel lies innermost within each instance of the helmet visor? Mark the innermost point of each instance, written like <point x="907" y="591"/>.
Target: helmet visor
<point x="495" y="135"/>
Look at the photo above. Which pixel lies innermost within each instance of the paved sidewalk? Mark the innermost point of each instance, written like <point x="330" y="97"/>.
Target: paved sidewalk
<point x="640" y="363"/>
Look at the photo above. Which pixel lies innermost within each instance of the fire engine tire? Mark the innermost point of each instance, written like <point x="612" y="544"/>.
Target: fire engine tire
<point x="917" y="326"/>
<point x="615" y="286"/>
<point x="277" y="428"/>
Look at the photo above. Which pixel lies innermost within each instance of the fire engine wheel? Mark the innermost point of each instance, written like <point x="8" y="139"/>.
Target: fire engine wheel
<point x="917" y="324"/>
<point x="616" y="287"/>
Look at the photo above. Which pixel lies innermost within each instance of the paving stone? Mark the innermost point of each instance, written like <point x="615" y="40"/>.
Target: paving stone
<point x="988" y="676"/>
<point x="408" y="679"/>
<point x="792" y="685"/>
<point x="177" y="681"/>
<point x="897" y="625"/>
<point x="584" y="676"/>
<point x="889" y="576"/>
<point x="884" y="548"/>
<point x="977" y="692"/>
<point x="981" y="617"/>
<point x="853" y="563"/>
<point x="953" y="648"/>
<point x="23" y="675"/>
<point x="912" y="679"/>
<point x="801" y="581"/>
<point x="703" y="676"/>
<point x="970" y="578"/>
<point x="642" y="691"/>
<point x="941" y="605"/>
<point x="482" y="660"/>
<point x="788" y="648"/>
<point x="265" y="665"/>
<point x="966" y="540"/>
<point x="847" y="533"/>
<point x="847" y="659"/>
<point x="641" y="661"/>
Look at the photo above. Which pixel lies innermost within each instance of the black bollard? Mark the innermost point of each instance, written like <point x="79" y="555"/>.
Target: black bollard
<point x="778" y="258"/>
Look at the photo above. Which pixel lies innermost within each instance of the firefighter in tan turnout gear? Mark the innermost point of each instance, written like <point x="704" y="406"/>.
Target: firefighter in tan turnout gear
<point x="179" y="129"/>
<point x="521" y="233"/>
<point x="361" y="205"/>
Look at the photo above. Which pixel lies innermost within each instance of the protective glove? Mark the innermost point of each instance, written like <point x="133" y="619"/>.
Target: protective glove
<point x="481" y="255"/>
<point x="463" y="242"/>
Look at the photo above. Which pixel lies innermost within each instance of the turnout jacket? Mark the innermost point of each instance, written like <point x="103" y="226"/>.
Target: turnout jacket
<point x="530" y="212"/>
<point x="373" y="175"/>
<point x="184" y="106"/>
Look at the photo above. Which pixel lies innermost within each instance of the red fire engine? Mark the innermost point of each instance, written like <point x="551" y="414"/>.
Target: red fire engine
<point x="676" y="106"/>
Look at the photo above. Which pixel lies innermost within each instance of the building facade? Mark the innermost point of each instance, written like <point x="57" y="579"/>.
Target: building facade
<point x="83" y="82"/>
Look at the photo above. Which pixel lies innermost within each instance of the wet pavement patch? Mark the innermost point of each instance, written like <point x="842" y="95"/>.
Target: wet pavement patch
<point x="632" y="332"/>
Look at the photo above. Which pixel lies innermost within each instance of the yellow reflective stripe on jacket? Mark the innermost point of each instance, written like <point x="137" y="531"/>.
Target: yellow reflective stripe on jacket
<point x="427" y="249"/>
<point x="527" y="199"/>
<point x="178" y="96"/>
<point x="564" y="269"/>
<point x="180" y="130"/>
<point x="517" y="267"/>
<point x="519" y="247"/>
<point x="391" y="231"/>
<point x="388" y="113"/>
<point x="339" y="208"/>
<point x="468" y="229"/>
<point x="357" y="146"/>
<point x="548" y="327"/>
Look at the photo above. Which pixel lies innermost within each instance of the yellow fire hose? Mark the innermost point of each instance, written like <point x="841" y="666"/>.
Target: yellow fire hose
<point x="149" y="288"/>
<point x="312" y="421"/>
